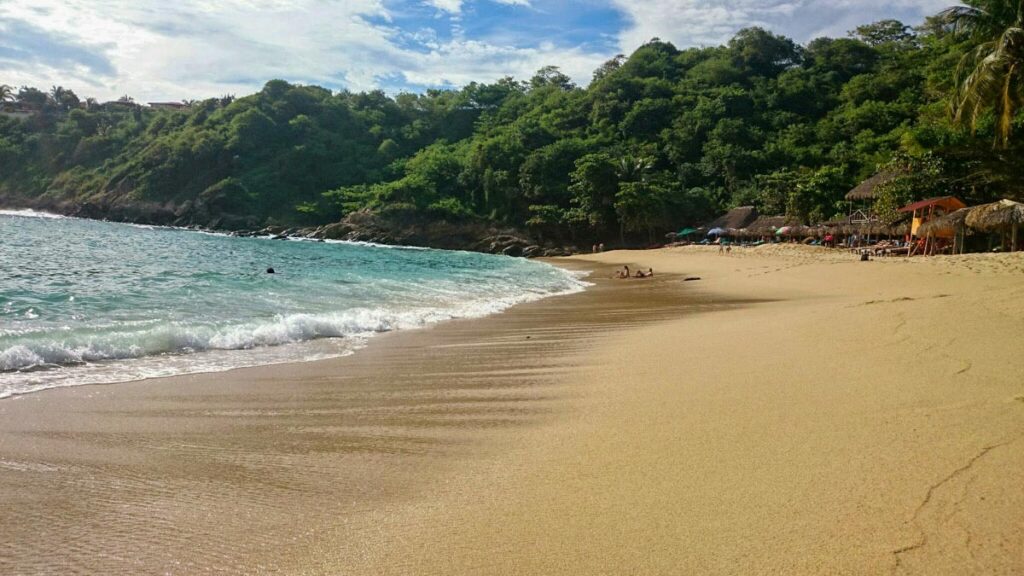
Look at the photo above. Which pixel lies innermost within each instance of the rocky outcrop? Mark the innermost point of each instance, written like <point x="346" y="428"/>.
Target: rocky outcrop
<point x="405" y="228"/>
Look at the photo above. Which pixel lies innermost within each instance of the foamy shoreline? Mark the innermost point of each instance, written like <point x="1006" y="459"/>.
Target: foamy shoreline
<point x="130" y="302"/>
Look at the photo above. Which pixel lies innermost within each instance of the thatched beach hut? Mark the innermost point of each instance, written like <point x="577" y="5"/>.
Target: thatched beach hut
<point x="867" y="190"/>
<point x="763" y="226"/>
<point x="1004" y="216"/>
<point x="952" y="225"/>
<point x="864" y="195"/>
<point x="735" y="219"/>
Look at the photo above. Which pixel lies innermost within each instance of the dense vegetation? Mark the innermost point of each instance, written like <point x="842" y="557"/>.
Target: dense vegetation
<point x="660" y="139"/>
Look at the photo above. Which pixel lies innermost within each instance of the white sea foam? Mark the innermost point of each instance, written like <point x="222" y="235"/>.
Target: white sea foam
<point x="173" y="348"/>
<point x="29" y="213"/>
<point x="130" y="302"/>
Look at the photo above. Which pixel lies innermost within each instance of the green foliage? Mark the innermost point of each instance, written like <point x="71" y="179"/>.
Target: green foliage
<point x="660" y="139"/>
<point x="916" y="177"/>
<point x="990" y="77"/>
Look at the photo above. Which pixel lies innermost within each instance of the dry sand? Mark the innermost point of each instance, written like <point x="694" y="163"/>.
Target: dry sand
<point x="793" y="412"/>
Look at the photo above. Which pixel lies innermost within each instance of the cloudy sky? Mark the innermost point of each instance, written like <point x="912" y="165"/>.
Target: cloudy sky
<point x="171" y="50"/>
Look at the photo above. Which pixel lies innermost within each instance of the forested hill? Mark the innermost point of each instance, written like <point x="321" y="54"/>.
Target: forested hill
<point x="658" y="140"/>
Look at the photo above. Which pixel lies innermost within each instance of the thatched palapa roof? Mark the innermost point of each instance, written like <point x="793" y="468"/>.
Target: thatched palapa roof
<point x="873" y="228"/>
<point x="763" y="225"/>
<point x="946" y="225"/>
<point x="866" y="189"/>
<point x="996" y="216"/>
<point x="736" y="218"/>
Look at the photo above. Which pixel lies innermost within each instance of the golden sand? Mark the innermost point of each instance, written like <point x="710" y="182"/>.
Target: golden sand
<point x="793" y="412"/>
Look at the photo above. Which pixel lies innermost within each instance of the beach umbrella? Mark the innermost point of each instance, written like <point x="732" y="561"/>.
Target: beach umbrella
<point x="718" y="232"/>
<point x="686" y="231"/>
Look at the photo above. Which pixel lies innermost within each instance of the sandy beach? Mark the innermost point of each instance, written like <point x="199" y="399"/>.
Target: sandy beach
<point x="794" y="411"/>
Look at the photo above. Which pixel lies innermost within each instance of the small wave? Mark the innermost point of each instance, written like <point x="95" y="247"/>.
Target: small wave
<point x="29" y="213"/>
<point x="44" y="350"/>
<point x="373" y="244"/>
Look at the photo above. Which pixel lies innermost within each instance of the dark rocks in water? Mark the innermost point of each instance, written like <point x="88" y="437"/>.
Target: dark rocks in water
<point x="410" y="228"/>
<point x="270" y="271"/>
<point x="691" y="278"/>
<point x="557" y="251"/>
<point x="513" y="250"/>
<point x="531" y="251"/>
<point x="401" y="227"/>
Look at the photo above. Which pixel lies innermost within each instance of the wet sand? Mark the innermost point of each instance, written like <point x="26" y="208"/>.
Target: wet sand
<point x="789" y="413"/>
<point x="248" y="470"/>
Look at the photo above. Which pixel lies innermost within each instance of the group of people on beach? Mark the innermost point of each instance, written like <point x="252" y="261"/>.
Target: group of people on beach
<point x="624" y="273"/>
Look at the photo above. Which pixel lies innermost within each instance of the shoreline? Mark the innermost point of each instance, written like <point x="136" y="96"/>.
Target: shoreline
<point x="309" y="352"/>
<point x="787" y="413"/>
<point x="262" y="440"/>
<point x="331" y="323"/>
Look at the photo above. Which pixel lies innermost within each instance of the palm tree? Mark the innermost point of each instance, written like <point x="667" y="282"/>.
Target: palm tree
<point x="991" y="75"/>
<point x="6" y="93"/>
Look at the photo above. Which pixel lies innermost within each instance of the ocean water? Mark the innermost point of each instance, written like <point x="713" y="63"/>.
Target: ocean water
<point x="86" y="302"/>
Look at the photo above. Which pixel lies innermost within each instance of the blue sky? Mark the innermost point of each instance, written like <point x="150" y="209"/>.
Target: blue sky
<point x="159" y="50"/>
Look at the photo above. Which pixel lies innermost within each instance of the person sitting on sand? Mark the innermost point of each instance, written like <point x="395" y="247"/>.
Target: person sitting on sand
<point x="640" y="274"/>
<point x="624" y="273"/>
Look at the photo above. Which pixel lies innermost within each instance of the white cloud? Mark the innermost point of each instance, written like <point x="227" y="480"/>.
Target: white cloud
<point x="462" y="61"/>
<point x="159" y="50"/>
<point x="195" y="49"/>
<point x="712" y="22"/>
<point x="455" y="6"/>
<point x="450" y="6"/>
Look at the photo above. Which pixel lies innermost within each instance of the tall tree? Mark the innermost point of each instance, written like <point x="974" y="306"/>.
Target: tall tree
<point x="990" y="76"/>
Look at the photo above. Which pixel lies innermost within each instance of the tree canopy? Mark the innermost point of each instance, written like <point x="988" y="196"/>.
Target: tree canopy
<point x="660" y="139"/>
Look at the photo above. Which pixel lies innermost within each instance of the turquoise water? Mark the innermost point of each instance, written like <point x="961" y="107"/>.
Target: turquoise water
<point x="84" y="302"/>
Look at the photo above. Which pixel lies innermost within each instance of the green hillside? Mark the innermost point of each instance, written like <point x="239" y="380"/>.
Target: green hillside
<point x="659" y="139"/>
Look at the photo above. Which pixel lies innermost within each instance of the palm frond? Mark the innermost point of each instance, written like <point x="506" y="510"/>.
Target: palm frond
<point x="1008" y="108"/>
<point x="964" y="20"/>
